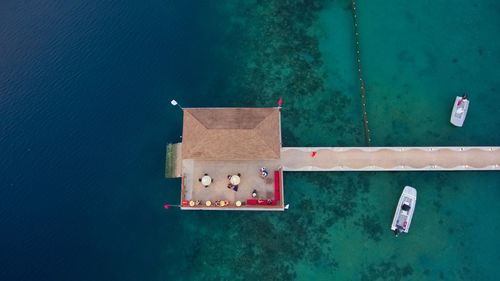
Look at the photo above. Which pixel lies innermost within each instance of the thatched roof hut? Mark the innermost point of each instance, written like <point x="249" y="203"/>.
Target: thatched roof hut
<point x="231" y="134"/>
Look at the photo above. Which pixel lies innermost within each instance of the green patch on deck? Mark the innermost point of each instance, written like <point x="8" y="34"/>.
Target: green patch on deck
<point x="172" y="160"/>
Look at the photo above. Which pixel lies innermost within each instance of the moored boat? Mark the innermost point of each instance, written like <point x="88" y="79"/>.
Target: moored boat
<point x="404" y="210"/>
<point x="459" y="111"/>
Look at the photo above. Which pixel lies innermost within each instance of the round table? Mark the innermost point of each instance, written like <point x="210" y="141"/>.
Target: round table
<point x="206" y="180"/>
<point x="235" y="180"/>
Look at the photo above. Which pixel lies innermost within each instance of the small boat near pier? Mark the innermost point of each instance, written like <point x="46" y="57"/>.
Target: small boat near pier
<point x="404" y="211"/>
<point x="459" y="111"/>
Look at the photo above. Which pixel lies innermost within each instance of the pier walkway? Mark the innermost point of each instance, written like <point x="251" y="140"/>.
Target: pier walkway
<point x="233" y="159"/>
<point x="390" y="158"/>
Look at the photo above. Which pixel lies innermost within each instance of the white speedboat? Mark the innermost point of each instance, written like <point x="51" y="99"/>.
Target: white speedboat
<point x="404" y="210"/>
<point x="459" y="111"/>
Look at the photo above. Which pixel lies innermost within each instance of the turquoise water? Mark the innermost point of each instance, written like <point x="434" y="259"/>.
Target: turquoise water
<point x="416" y="57"/>
<point x="85" y="91"/>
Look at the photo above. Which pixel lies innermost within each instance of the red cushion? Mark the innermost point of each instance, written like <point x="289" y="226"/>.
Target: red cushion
<point x="251" y="202"/>
<point x="277" y="195"/>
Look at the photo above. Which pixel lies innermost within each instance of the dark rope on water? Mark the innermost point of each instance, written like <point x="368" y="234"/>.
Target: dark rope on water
<point x="361" y="81"/>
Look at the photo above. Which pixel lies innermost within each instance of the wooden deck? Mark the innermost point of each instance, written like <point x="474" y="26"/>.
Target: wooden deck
<point x="193" y="190"/>
<point x="173" y="160"/>
<point x="390" y="158"/>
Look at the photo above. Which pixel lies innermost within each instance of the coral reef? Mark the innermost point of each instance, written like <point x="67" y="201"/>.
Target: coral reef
<point x="371" y="226"/>
<point x="386" y="271"/>
<point x="281" y="57"/>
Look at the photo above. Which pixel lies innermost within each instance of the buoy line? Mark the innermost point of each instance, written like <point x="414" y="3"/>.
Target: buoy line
<point x="360" y="73"/>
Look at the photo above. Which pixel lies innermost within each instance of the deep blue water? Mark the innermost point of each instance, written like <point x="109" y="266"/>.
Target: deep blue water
<point x="85" y="114"/>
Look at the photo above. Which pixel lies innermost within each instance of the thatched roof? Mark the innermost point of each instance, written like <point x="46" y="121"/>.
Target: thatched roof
<point x="231" y="133"/>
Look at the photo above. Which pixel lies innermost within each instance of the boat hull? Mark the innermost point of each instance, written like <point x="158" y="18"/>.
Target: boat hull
<point x="403" y="215"/>
<point x="459" y="111"/>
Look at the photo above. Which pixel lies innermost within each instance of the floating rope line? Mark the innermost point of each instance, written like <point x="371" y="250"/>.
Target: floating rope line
<point x="361" y="81"/>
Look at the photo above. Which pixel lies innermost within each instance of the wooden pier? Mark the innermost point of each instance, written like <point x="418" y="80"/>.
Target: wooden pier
<point x="390" y="158"/>
<point x="222" y="143"/>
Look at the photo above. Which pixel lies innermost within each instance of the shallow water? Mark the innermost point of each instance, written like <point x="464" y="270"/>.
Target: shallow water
<point x="85" y="92"/>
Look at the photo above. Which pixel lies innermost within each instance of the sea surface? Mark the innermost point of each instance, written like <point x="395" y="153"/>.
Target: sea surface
<point x="85" y="114"/>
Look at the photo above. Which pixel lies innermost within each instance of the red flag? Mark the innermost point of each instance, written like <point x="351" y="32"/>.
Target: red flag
<point x="280" y="101"/>
<point x="313" y="154"/>
<point x="166" y="206"/>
